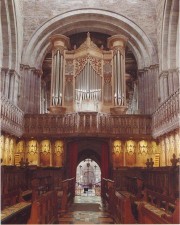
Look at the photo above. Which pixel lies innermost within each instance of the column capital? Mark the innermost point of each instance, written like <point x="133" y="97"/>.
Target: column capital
<point x="11" y="72"/>
<point x="60" y="41"/>
<point x="24" y="67"/>
<point x="155" y="66"/>
<point x="164" y="73"/>
<point x="4" y="69"/>
<point x="117" y="41"/>
<point x="38" y="72"/>
<point x="141" y="72"/>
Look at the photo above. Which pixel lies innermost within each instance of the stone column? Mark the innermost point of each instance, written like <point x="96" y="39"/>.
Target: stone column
<point x="156" y="91"/>
<point x="166" y="88"/>
<point x="164" y="85"/>
<point x="16" y="88"/>
<point x="59" y="44"/>
<point x="7" y="83"/>
<point x="43" y="99"/>
<point x="140" y="90"/>
<point x="153" y="88"/>
<point x="176" y="80"/>
<point x="170" y="82"/>
<point x="161" y="87"/>
<point x="37" y="90"/>
<point x="118" y="43"/>
<point x="11" y="85"/>
<point x="3" y="78"/>
<point x="146" y="90"/>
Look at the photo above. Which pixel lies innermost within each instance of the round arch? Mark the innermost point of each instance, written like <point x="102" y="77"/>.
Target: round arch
<point x="83" y="20"/>
<point x="169" y="35"/>
<point x="11" y="35"/>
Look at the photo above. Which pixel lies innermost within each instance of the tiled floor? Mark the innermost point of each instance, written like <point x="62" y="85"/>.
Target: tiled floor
<point x="86" y="210"/>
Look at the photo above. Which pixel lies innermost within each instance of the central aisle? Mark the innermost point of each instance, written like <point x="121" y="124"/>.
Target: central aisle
<point x="86" y="210"/>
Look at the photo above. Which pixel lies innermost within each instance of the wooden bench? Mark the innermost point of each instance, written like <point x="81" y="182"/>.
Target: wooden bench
<point x="40" y="185"/>
<point x="9" y="199"/>
<point x="44" y="209"/>
<point x="26" y="195"/>
<point x="132" y="191"/>
<point x="119" y="204"/>
<point x="17" y="214"/>
<point x="123" y="212"/>
<point x="67" y="194"/>
<point x="157" y="208"/>
<point x="108" y="193"/>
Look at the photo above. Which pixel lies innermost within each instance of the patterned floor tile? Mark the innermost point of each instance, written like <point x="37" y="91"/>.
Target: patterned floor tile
<point x="93" y="213"/>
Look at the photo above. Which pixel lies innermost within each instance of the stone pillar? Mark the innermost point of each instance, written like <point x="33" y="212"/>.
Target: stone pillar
<point x="140" y="90"/>
<point x="161" y="87"/>
<point x="59" y="44"/>
<point x="3" y="78"/>
<point x="29" y="91"/>
<point x="11" y="85"/>
<point x="164" y="85"/>
<point x="37" y="91"/>
<point x="146" y="89"/>
<point x="156" y="91"/>
<point x="166" y="88"/>
<point x="118" y="43"/>
<point x="170" y="82"/>
<point x="7" y="83"/>
<point x="153" y="86"/>
<point x="43" y="97"/>
<point x="176" y="80"/>
<point x="16" y="88"/>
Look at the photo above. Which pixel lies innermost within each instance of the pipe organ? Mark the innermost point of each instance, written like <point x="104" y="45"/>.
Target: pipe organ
<point x="88" y="78"/>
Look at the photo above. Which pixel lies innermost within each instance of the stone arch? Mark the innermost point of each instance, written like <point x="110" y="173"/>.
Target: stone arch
<point x="172" y="34"/>
<point x="84" y="20"/>
<point x="5" y="42"/>
<point x="10" y="37"/>
<point x="91" y="154"/>
<point x="169" y="34"/>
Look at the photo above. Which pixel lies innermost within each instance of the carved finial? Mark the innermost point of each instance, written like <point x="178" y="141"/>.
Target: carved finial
<point x="88" y="39"/>
<point x="151" y="162"/>
<point x="174" y="160"/>
<point x="147" y="163"/>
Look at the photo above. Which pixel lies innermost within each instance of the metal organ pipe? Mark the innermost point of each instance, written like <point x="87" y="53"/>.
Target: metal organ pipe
<point x="57" y="78"/>
<point x="123" y="81"/>
<point x="119" y="79"/>
<point x="53" y="79"/>
<point x="59" y="43"/>
<point x="61" y="75"/>
<point x="115" y="79"/>
<point x="88" y="84"/>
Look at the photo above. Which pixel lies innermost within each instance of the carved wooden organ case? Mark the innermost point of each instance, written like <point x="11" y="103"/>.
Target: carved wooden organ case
<point x="87" y="78"/>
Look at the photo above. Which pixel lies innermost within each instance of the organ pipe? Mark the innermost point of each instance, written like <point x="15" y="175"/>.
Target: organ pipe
<point x="88" y="84"/>
<point x="59" y="44"/>
<point x="117" y="44"/>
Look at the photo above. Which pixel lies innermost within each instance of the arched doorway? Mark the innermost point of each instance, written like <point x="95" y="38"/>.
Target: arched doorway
<point x="88" y="178"/>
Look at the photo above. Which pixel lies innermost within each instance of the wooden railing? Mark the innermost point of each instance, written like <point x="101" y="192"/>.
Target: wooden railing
<point x="12" y="118"/>
<point x="87" y="124"/>
<point x="166" y="117"/>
